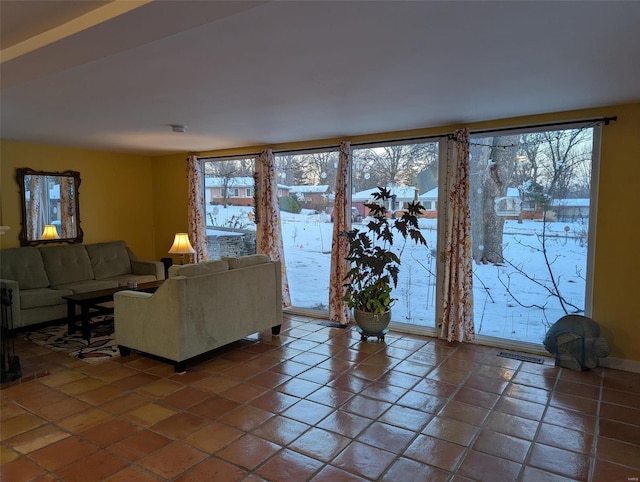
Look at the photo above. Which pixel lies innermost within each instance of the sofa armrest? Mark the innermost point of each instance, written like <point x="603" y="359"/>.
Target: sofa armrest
<point x="155" y="268"/>
<point x="150" y="322"/>
<point x="15" y="299"/>
<point x="134" y="294"/>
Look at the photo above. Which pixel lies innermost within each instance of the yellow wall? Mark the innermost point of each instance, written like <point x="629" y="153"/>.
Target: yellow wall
<point x="116" y="192"/>
<point x="170" y="201"/>
<point x="616" y="290"/>
<point x="144" y="201"/>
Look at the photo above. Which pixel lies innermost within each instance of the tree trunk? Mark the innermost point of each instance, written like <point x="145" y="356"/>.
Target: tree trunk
<point x="491" y="175"/>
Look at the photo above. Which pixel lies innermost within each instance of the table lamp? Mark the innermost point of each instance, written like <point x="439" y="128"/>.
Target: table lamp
<point x="50" y="232"/>
<point x="181" y="246"/>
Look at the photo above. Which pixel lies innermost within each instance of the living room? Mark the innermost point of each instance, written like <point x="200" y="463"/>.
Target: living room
<point x="154" y="208"/>
<point x="129" y="193"/>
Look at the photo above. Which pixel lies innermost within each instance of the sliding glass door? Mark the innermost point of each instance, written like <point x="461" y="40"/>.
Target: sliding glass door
<point x="532" y="203"/>
<point x="306" y="186"/>
<point x="230" y="207"/>
<point x="410" y="172"/>
<point x="531" y="200"/>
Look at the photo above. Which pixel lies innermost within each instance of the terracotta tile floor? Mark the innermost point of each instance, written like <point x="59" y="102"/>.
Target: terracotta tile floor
<point x="318" y="404"/>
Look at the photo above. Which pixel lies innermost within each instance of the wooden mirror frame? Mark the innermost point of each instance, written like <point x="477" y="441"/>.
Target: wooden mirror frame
<point x="25" y="238"/>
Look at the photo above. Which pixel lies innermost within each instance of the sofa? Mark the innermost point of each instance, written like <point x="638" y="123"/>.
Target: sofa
<point x="40" y="276"/>
<point x="201" y="307"/>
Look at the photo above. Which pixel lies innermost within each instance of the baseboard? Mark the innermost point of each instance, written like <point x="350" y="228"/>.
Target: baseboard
<point x="621" y="364"/>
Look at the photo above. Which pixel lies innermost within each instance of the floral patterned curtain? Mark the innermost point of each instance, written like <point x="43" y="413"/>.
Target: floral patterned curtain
<point x="338" y="310"/>
<point x="67" y="216"/>
<point x="268" y="208"/>
<point x="35" y="217"/>
<point x="457" y="315"/>
<point x="196" y="216"/>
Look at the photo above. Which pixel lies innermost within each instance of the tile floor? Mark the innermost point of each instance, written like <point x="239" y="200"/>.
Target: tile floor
<point x="318" y="404"/>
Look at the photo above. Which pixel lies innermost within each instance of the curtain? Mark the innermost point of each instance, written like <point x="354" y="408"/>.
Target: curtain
<point x="457" y="314"/>
<point x="338" y="310"/>
<point x="268" y="208"/>
<point x="35" y="214"/>
<point x="67" y="215"/>
<point x="196" y="216"/>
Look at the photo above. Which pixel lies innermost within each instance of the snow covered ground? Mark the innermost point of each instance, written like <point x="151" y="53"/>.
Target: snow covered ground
<point x="512" y="313"/>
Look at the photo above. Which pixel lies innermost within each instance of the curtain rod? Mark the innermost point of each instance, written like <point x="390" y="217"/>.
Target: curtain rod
<point x="605" y="120"/>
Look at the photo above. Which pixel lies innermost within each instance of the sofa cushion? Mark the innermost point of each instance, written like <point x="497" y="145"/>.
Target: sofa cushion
<point x="198" y="269"/>
<point x="66" y="264"/>
<point x="216" y="266"/>
<point x="109" y="259"/>
<point x="25" y="266"/>
<point x="35" y="298"/>
<point x="245" y="261"/>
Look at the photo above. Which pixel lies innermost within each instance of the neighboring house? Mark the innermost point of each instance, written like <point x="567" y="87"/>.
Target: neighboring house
<point x="234" y="191"/>
<point x="403" y="196"/>
<point x="430" y="202"/>
<point x="570" y="210"/>
<point x="312" y="197"/>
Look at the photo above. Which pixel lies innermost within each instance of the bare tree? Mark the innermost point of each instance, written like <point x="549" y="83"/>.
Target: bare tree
<point x="291" y="169"/>
<point x="564" y="157"/>
<point x="551" y="285"/>
<point x="396" y="164"/>
<point x="321" y="167"/>
<point x="492" y="170"/>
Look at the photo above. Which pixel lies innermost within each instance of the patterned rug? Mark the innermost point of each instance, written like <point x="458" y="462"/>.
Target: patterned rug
<point x="101" y="346"/>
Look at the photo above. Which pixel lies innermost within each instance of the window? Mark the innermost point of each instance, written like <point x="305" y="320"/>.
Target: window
<point x="530" y="200"/>
<point x="409" y="171"/>
<point x="231" y="230"/>
<point x="531" y="206"/>
<point x="307" y="187"/>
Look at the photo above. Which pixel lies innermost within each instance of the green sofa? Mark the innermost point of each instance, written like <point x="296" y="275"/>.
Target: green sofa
<point x="201" y="307"/>
<point x="40" y="276"/>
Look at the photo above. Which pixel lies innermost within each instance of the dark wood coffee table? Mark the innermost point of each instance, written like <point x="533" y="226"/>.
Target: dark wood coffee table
<point x="90" y="299"/>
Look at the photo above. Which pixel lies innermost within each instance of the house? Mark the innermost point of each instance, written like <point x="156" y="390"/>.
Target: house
<point x="101" y="101"/>
<point x="403" y="196"/>
<point x="316" y="197"/>
<point x="571" y="210"/>
<point x="236" y="191"/>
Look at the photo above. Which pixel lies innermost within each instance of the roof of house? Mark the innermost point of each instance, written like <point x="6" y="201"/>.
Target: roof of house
<point x="432" y="195"/>
<point x="321" y="188"/>
<point x="402" y="193"/>
<point x="573" y="203"/>
<point x="242" y="181"/>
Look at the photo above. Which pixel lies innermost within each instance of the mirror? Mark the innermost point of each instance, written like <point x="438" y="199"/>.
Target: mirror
<point x="50" y="207"/>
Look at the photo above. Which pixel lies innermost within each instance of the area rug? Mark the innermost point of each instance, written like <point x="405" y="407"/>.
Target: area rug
<point x="101" y="346"/>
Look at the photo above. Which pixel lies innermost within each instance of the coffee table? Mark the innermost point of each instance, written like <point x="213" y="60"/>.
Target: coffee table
<point x="90" y="299"/>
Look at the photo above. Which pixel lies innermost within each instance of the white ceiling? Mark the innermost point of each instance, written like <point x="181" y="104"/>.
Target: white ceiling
<point x="253" y="73"/>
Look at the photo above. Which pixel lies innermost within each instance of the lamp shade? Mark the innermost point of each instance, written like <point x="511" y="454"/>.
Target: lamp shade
<point x="50" y="232"/>
<point x="181" y="245"/>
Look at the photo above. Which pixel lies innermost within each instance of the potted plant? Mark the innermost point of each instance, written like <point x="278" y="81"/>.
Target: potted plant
<point x="375" y="264"/>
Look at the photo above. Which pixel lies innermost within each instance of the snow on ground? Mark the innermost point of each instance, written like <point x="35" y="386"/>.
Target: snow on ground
<point x="307" y="245"/>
